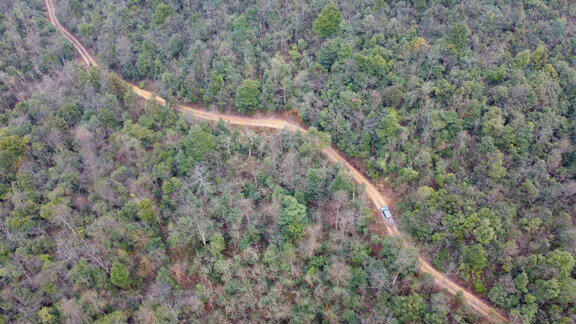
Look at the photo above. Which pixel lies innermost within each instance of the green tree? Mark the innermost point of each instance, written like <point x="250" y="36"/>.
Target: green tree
<point x="389" y="127"/>
<point x="567" y="292"/>
<point x="248" y="96"/>
<point x="158" y="117"/>
<point x="472" y="262"/>
<point x="521" y="282"/>
<point x="328" y="54"/>
<point x="561" y="260"/>
<point x="47" y="315"/>
<point x="12" y="148"/>
<point x="374" y="63"/>
<point x="358" y="278"/>
<point x="483" y="232"/>
<point x="410" y="308"/>
<point x="148" y="63"/>
<point x="529" y="192"/>
<point x="71" y="112"/>
<point x="241" y="27"/>
<point x="217" y="244"/>
<point x="175" y="45"/>
<point x="458" y="37"/>
<point x="474" y="257"/>
<point x="117" y="86"/>
<point x="407" y="175"/>
<point x="316" y="189"/>
<point x="540" y="56"/>
<point x="119" y="275"/>
<point x="292" y="218"/>
<point x="547" y="289"/>
<point x="407" y="261"/>
<point x="328" y="21"/>
<point x="162" y="13"/>
<point x="493" y="122"/>
<point x="146" y="210"/>
<point x="194" y="147"/>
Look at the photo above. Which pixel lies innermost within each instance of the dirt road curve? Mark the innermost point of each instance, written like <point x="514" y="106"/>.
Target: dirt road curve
<point x="376" y="198"/>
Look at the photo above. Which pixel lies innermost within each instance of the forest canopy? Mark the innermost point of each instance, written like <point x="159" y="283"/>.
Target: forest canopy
<point x="465" y="109"/>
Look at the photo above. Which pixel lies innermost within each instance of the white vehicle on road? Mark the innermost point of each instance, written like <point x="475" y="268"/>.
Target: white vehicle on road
<point x="387" y="215"/>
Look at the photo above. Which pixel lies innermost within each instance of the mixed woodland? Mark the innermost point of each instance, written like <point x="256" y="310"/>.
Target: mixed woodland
<point x="464" y="108"/>
<point x="115" y="209"/>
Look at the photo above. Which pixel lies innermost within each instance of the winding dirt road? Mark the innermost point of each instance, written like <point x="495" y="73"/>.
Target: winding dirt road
<point x="376" y="198"/>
